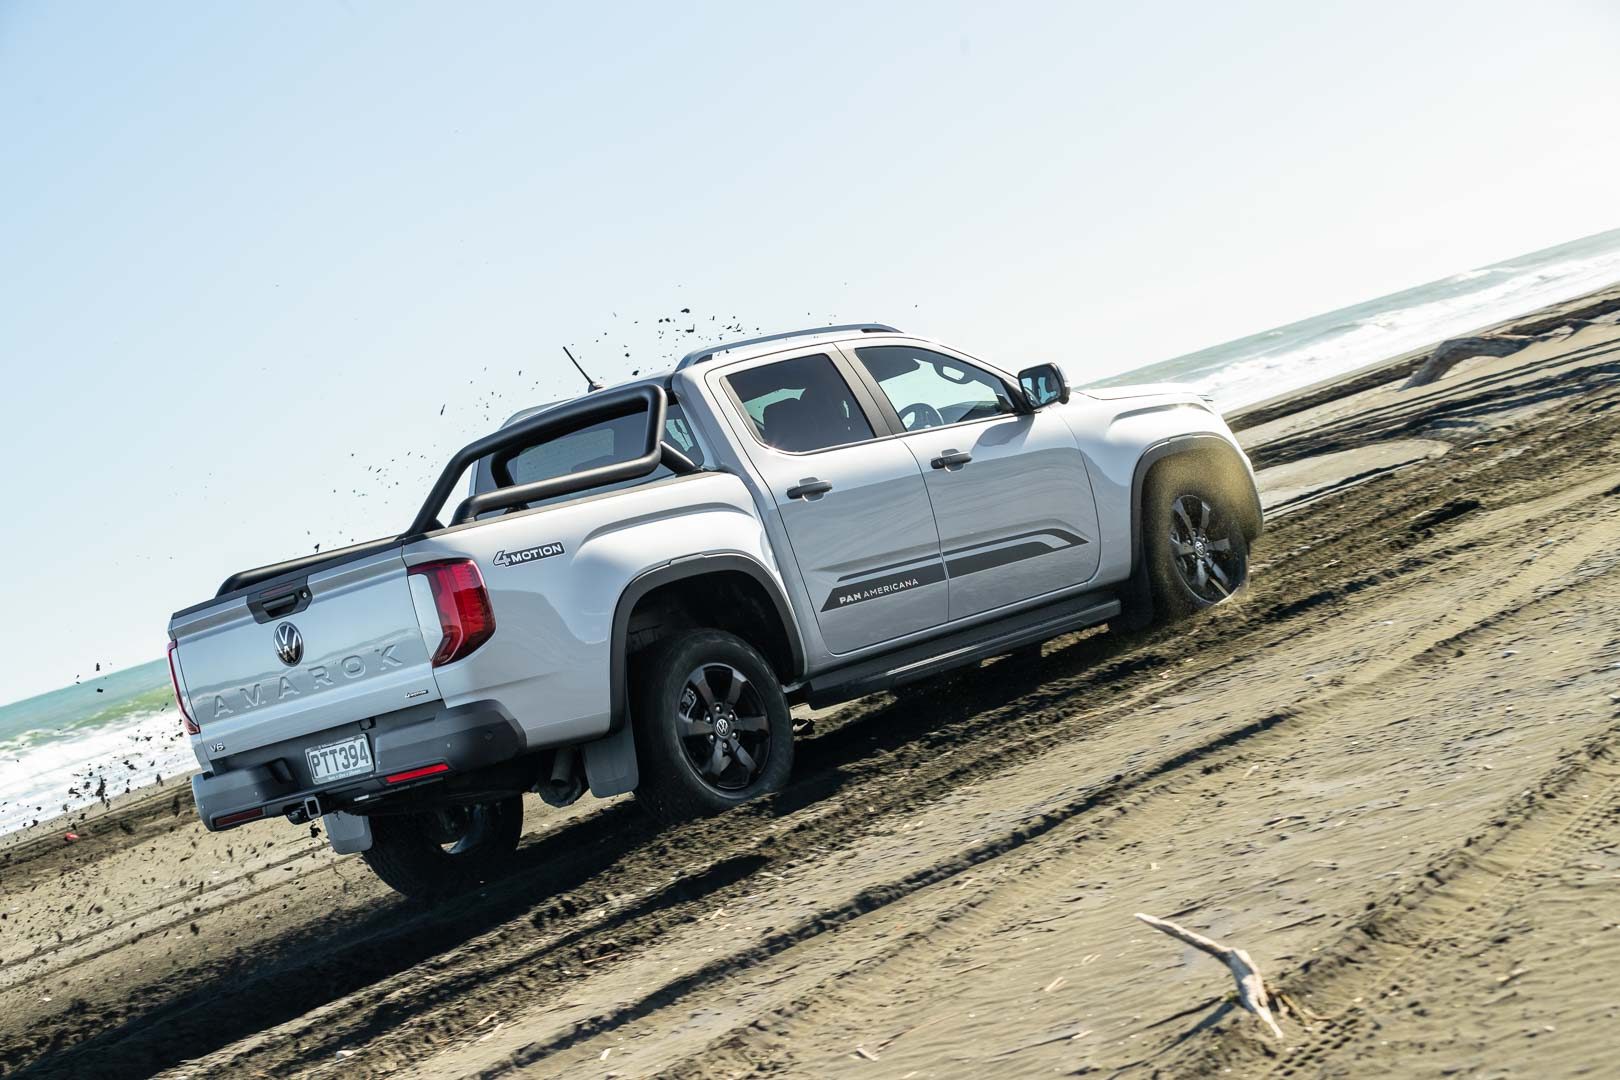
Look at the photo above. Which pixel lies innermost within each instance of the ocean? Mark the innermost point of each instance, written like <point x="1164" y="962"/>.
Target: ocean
<point x="1289" y="357"/>
<point x="99" y="738"/>
<point x="71" y="747"/>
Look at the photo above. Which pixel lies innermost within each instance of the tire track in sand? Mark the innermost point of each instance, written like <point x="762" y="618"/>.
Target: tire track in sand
<point x="1037" y="878"/>
<point x="1541" y="583"/>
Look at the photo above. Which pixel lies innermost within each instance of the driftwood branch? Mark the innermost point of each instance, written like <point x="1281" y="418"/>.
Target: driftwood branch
<point x="1251" y="987"/>
<point x="1449" y="353"/>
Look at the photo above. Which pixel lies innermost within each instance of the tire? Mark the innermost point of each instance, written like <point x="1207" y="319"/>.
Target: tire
<point x="704" y="752"/>
<point x="1193" y="547"/>
<point x="435" y="854"/>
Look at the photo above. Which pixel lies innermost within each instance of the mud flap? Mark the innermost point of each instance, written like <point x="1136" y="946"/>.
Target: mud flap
<point x="610" y="764"/>
<point x="1136" y="599"/>
<point x="349" y="833"/>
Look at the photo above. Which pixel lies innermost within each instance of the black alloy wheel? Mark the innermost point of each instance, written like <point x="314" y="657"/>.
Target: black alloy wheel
<point x="711" y="725"/>
<point x="723" y="727"/>
<point x="1210" y="564"/>
<point x="1195" y="552"/>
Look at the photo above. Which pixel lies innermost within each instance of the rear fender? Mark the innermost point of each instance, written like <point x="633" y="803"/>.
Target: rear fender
<point x="679" y="571"/>
<point x="610" y="763"/>
<point x="554" y="576"/>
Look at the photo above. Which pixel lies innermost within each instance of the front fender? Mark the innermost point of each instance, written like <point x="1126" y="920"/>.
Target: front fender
<point x="1123" y="437"/>
<point x="1213" y="447"/>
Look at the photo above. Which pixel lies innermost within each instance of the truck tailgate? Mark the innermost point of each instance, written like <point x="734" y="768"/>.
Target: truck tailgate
<point x="296" y="658"/>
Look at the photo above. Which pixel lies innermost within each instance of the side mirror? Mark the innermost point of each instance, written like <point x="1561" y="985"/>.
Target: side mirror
<point x="1043" y="384"/>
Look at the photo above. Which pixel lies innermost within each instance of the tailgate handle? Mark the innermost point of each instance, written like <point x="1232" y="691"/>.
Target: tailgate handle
<point x="269" y="606"/>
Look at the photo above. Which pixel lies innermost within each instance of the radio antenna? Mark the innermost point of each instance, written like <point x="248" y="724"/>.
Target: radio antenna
<point x="590" y="383"/>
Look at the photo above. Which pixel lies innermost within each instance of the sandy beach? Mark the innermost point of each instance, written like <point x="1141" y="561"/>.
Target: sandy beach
<point x="1390" y="771"/>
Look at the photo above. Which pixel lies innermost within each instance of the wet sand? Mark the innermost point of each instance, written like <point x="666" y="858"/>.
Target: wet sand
<point x="1388" y="771"/>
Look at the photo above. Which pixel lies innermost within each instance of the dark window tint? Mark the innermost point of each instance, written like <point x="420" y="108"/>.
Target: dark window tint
<point x="929" y="389"/>
<point x="607" y="443"/>
<point x="800" y="404"/>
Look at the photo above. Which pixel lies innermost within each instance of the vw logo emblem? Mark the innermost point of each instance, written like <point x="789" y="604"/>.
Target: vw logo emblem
<point x="289" y="644"/>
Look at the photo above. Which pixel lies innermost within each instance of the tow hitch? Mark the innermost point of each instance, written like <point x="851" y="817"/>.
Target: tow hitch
<point x="311" y="810"/>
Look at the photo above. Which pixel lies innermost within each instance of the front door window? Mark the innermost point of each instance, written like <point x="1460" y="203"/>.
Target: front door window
<point x="929" y="389"/>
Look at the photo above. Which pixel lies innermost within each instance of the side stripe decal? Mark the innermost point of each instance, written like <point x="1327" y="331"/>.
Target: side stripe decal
<point x="968" y="560"/>
<point x="1063" y="537"/>
<point x="963" y="565"/>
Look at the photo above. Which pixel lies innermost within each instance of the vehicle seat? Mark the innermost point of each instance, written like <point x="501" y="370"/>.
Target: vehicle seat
<point x="805" y="423"/>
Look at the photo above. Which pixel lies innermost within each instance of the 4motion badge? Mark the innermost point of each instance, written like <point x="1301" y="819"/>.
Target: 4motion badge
<point x="523" y="555"/>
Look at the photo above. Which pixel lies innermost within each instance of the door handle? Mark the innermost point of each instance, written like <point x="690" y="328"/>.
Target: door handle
<point x="807" y="487"/>
<point x="951" y="458"/>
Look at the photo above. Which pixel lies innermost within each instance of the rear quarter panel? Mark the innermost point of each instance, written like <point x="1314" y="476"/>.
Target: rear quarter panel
<point x="548" y="662"/>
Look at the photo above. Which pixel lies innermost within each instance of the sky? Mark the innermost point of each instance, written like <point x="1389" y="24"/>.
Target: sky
<point x="263" y="266"/>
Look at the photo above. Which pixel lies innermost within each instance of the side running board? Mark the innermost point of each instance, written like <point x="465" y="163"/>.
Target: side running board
<point x="954" y="650"/>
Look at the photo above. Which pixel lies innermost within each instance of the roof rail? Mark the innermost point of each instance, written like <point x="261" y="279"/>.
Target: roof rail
<point x="698" y="356"/>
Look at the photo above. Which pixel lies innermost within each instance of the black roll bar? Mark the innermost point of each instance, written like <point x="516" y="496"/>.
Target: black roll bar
<point x="553" y="423"/>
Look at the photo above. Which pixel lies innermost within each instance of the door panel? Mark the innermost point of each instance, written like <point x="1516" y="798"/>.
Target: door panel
<point x="866" y="546"/>
<point x="1017" y="520"/>
<point x="1010" y="493"/>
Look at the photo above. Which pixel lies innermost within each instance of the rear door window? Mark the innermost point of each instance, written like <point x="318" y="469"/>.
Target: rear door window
<point x="606" y="443"/>
<point x="800" y="405"/>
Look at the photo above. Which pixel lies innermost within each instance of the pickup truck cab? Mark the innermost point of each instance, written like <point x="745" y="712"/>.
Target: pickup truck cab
<point x="639" y="582"/>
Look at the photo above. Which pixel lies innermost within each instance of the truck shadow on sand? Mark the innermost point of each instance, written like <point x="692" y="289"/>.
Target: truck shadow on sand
<point x="273" y="982"/>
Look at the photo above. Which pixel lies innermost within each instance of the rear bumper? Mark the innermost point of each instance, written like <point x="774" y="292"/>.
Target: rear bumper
<point x="464" y="738"/>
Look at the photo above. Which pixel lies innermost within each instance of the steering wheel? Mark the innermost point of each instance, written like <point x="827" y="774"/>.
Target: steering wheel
<point x="927" y="417"/>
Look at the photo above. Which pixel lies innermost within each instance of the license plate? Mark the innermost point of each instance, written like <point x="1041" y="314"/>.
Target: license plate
<point x="336" y="760"/>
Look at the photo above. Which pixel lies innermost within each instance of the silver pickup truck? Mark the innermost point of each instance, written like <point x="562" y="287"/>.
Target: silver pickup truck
<point x="639" y="583"/>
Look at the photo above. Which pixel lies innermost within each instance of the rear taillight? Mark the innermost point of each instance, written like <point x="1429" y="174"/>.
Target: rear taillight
<point x="179" y="696"/>
<point x="462" y="603"/>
